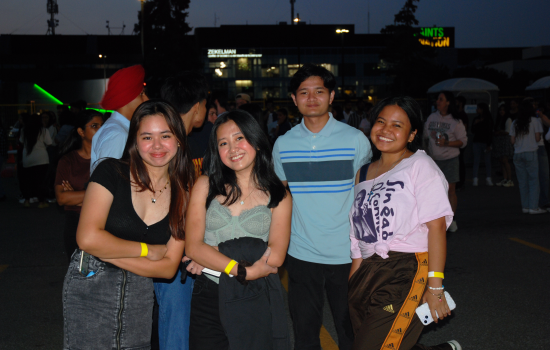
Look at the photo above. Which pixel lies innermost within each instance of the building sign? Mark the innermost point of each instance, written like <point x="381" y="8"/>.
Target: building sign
<point x="229" y="53"/>
<point x="437" y="36"/>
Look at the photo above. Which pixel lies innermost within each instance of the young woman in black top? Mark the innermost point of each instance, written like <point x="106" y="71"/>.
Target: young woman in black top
<point x="131" y="228"/>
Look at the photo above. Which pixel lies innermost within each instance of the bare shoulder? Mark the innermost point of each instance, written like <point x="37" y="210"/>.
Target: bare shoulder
<point x="201" y="185"/>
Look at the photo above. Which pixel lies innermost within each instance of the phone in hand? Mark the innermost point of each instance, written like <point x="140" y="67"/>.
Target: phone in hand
<point x="423" y="311"/>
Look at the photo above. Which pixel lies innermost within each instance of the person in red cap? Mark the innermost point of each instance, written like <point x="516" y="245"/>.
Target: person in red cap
<point x="124" y="94"/>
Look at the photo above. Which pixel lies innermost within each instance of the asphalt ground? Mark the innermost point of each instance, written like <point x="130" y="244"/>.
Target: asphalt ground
<point x="498" y="273"/>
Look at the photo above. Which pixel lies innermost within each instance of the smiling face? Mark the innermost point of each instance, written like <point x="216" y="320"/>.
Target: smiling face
<point x="155" y="143"/>
<point x="234" y="150"/>
<point x="313" y="98"/>
<point x="391" y="131"/>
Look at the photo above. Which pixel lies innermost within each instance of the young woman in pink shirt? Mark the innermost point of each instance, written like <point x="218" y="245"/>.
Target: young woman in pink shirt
<point x="398" y="234"/>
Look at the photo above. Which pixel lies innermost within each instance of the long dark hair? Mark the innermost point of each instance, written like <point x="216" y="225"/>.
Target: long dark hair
<point x="526" y="111"/>
<point x="74" y="140"/>
<point x="180" y="169"/>
<point x="31" y="130"/>
<point x="223" y="180"/>
<point x="452" y="109"/>
<point x="413" y="111"/>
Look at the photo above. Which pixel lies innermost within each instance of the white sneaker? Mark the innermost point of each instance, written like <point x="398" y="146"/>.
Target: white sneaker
<point x="537" y="211"/>
<point x="475" y="181"/>
<point x="508" y="183"/>
<point x="488" y="181"/>
<point x="525" y="211"/>
<point x="502" y="182"/>
<point x="453" y="227"/>
<point x="33" y="200"/>
<point x="455" y="345"/>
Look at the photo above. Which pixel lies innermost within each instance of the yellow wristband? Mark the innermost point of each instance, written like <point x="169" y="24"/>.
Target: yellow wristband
<point x="144" y="249"/>
<point x="436" y="274"/>
<point x="229" y="266"/>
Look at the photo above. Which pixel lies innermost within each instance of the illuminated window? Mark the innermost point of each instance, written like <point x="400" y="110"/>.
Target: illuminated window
<point x="270" y="71"/>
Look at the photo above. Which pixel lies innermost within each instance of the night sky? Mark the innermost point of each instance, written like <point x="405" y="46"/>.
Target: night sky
<point x="478" y="23"/>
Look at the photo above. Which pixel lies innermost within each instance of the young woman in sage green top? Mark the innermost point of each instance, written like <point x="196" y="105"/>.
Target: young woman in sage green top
<point x="241" y="196"/>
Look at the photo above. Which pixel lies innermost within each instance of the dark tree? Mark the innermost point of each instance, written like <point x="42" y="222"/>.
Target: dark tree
<point x="168" y="50"/>
<point x="410" y="63"/>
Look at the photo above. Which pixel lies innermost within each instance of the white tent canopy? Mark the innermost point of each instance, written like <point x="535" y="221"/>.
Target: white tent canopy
<point x="541" y="84"/>
<point x="463" y="84"/>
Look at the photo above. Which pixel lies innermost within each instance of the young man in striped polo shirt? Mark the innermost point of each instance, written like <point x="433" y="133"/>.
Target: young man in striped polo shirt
<point x="318" y="159"/>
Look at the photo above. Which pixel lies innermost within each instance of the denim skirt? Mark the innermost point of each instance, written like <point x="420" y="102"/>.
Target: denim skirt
<point x="111" y="309"/>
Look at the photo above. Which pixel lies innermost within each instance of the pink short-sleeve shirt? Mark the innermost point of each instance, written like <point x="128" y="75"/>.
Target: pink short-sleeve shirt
<point x="394" y="217"/>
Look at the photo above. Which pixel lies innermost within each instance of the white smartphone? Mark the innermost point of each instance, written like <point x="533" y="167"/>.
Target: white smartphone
<point x="423" y="311"/>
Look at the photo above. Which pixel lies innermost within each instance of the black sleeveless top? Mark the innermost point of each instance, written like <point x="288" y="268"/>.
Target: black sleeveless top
<point x="123" y="221"/>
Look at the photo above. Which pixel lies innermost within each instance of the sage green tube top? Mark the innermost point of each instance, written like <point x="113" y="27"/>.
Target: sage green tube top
<point x="221" y="226"/>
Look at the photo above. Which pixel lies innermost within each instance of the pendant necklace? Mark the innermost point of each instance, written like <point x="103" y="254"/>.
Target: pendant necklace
<point x="153" y="199"/>
<point x="376" y="173"/>
<point x="242" y="202"/>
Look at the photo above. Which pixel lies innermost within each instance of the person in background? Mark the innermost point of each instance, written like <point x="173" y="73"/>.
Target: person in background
<point x="255" y="110"/>
<point x="79" y="106"/>
<point x="66" y="122"/>
<point x="482" y="128"/>
<point x="525" y="134"/>
<point x="390" y="274"/>
<point x="542" y="156"/>
<point x="356" y="118"/>
<point x="212" y="113"/>
<point x="446" y="134"/>
<point x="242" y="99"/>
<point x="348" y="110"/>
<point x="73" y="173"/>
<point x="366" y="124"/>
<point x="35" y="139"/>
<point x="338" y="113"/>
<point x="131" y="229"/>
<point x="187" y="92"/>
<point x="513" y="111"/>
<point x="124" y="94"/>
<point x="503" y="149"/>
<point x="283" y="124"/>
<point x="318" y="259"/>
<point x="270" y="115"/>
<point x="219" y="100"/>
<point x="48" y="121"/>
<point x="460" y="103"/>
<point x="239" y="208"/>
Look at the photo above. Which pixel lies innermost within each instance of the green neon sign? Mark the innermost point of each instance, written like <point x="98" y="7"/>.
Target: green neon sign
<point x="50" y="96"/>
<point x="432" y="32"/>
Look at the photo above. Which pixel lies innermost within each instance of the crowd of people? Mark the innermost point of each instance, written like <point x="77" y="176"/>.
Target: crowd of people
<point x="180" y="210"/>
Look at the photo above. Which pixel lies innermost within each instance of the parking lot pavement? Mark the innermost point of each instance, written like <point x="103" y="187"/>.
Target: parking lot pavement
<point x="498" y="272"/>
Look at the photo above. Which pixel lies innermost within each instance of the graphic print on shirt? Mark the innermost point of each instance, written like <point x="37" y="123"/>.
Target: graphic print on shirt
<point x="439" y="130"/>
<point x="372" y="217"/>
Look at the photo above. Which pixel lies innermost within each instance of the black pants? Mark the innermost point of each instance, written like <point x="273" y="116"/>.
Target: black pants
<point x="307" y="283"/>
<point x="34" y="179"/>
<point x="69" y="234"/>
<point x="206" y="331"/>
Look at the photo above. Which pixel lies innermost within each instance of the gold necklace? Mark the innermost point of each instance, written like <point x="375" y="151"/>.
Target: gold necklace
<point x="376" y="173"/>
<point x="153" y="199"/>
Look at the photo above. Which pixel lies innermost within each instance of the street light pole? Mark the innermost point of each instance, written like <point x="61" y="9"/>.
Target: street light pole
<point x="342" y="31"/>
<point x="142" y="20"/>
<point x="104" y="72"/>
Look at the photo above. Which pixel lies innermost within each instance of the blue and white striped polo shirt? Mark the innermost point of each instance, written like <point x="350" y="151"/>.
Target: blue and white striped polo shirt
<point x="320" y="170"/>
